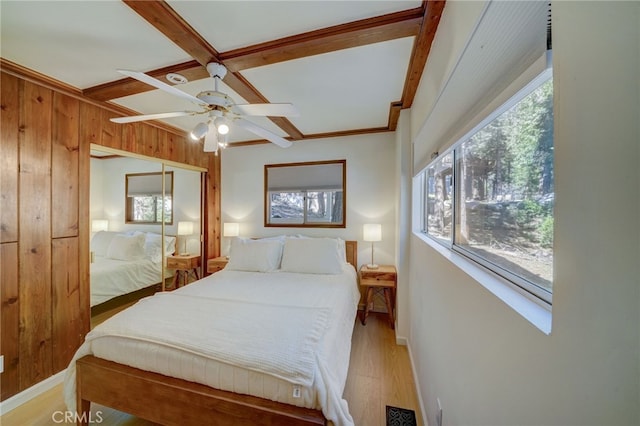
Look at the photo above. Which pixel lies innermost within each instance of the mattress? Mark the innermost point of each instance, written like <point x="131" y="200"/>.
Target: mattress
<point x="111" y="277"/>
<point x="337" y="295"/>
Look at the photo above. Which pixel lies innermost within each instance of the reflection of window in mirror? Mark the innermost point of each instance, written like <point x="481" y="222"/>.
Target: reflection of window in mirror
<point x="308" y="194"/>
<point x="144" y="200"/>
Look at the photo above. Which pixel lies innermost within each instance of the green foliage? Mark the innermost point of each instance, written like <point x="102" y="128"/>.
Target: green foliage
<point x="527" y="212"/>
<point x="545" y="230"/>
<point x="513" y="154"/>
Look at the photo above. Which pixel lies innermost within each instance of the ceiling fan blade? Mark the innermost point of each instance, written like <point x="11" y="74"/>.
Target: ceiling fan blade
<point x="267" y="110"/>
<point x="260" y="131"/>
<point x="134" y="118"/>
<point x="161" y="85"/>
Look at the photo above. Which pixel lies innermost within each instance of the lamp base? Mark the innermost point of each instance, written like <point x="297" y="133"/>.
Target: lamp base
<point x="184" y="254"/>
<point x="372" y="266"/>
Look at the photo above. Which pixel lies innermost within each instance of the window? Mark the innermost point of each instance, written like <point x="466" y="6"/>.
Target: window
<point x="490" y="197"/>
<point x="310" y="194"/>
<point x="299" y="207"/>
<point x="439" y="198"/>
<point x="144" y="201"/>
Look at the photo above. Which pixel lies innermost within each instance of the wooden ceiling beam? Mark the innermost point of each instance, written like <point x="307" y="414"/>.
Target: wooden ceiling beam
<point x="326" y="135"/>
<point x="421" y="48"/>
<point x="353" y="34"/>
<point x="394" y="115"/>
<point x="175" y="28"/>
<point x="192" y="70"/>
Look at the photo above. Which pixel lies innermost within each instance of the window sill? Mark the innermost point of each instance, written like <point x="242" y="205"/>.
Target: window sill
<point x="536" y="312"/>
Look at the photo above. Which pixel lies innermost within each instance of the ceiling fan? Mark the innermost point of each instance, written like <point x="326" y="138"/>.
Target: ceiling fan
<point x="219" y="108"/>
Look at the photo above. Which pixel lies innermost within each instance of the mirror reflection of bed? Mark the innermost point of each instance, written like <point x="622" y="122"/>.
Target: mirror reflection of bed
<point x="128" y="256"/>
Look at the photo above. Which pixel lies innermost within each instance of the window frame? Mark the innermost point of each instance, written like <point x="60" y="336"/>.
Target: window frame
<point x="517" y="282"/>
<point x="158" y="199"/>
<point x="304" y="171"/>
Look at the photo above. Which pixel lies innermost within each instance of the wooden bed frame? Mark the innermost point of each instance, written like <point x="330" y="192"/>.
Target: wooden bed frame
<point x="168" y="400"/>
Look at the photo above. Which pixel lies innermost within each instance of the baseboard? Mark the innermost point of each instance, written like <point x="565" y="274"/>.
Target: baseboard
<point x="401" y="341"/>
<point x="415" y="381"/>
<point x="32" y="392"/>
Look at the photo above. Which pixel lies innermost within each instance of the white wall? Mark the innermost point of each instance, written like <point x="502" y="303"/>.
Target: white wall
<point x="486" y="363"/>
<point x="371" y="187"/>
<point x="108" y="196"/>
<point x="403" y="223"/>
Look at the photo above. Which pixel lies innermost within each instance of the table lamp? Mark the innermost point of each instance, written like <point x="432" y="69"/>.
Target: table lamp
<point x="185" y="228"/>
<point x="230" y="229"/>
<point x="372" y="232"/>
<point x="98" y="225"/>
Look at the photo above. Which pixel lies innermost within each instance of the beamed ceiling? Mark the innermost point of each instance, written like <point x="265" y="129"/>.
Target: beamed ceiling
<point x="348" y="66"/>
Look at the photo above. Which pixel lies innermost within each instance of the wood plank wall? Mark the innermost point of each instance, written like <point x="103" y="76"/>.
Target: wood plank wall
<point x="44" y="216"/>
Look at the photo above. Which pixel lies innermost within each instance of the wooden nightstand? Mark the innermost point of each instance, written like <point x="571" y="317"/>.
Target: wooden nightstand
<point x="216" y="264"/>
<point x="385" y="277"/>
<point x="184" y="266"/>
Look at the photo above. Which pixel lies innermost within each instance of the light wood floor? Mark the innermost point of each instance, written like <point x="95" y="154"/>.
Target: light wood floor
<point x="379" y="375"/>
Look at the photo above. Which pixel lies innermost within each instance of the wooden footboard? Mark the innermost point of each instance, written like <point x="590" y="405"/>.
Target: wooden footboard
<point x="169" y="401"/>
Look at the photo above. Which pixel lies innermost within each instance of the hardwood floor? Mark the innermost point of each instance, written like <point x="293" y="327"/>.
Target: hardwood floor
<point x="379" y="375"/>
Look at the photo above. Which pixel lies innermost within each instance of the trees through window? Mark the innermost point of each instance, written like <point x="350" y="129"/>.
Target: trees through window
<point x="491" y="196"/>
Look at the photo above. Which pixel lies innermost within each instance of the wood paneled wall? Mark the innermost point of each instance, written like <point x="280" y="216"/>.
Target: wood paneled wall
<point x="44" y="217"/>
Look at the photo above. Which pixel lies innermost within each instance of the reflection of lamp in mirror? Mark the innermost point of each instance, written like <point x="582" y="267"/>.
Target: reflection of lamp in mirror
<point x="230" y="229"/>
<point x="185" y="228"/>
<point x="372" y="232"/>
<point x="98" y="225"/>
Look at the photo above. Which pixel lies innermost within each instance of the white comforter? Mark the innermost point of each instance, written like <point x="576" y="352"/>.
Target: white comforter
<point x="296" y="327"/>
<point x="111" y="278"/>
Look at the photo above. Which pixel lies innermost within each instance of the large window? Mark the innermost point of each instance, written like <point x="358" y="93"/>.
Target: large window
<point x="490" y="197"/>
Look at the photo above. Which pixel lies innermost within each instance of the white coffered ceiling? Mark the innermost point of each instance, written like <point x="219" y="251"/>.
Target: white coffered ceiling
<point x="342" y="63"/>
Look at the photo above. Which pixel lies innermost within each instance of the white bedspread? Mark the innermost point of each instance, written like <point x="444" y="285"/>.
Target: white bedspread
<point x="111" y="278"/>
<point x="296" y="327"/>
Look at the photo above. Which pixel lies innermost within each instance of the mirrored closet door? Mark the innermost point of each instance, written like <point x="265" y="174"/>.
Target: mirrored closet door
<point x="146" y="227"/>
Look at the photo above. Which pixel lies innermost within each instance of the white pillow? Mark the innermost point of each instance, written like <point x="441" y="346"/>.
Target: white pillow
<point x="153" y="246"/>
<point x="312" y="256"/>
<point x="126" y="247"/>
<point x="254" y="255"/>
<point x="342" y="246"/>
<point x="100" y="242"/>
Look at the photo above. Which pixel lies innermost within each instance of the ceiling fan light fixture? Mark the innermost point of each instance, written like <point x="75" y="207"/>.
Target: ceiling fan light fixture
<point x="199" y="131"/>
<point x="222" y="126"/>
<point x="211" y="140"/>
<point x="219" y="107"/>
<point x="222" y="141"/>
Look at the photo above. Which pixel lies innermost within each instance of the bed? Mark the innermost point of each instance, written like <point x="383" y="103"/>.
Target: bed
<point x="123" y="263"/>
<point x="265" y="341"/>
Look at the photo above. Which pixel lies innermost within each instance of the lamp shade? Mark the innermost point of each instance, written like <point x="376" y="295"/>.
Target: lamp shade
<point x="231" y="229"/>
<point x="98" y="225"/>
<point x="199" y="131"/>
<point x="185" y="228"/>
<point x="372" y="232"/>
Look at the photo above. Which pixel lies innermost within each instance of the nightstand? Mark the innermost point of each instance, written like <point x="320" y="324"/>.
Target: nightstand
<point x="216" y="264"/>
<point x="384" y="277"/>
<point x="184" y="266"/>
